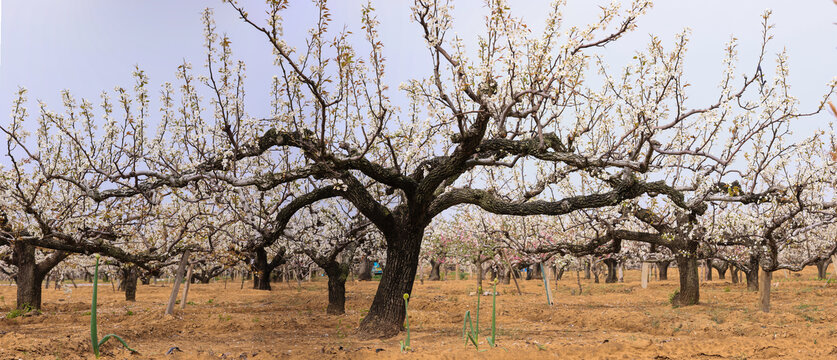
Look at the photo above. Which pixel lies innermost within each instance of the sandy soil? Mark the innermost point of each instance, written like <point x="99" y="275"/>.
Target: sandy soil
<point x="609" y="321"/>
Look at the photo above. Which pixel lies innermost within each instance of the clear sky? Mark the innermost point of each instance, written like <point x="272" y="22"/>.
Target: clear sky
<point x="92" y="45"/>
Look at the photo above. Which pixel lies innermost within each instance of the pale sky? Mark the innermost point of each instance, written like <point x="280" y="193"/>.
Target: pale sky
<point x="92" y="45"/>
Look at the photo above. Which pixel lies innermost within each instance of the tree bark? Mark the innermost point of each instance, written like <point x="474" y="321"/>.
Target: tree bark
<point x="765" y="278"/>
<point x="495" y="275"/>
<point x="337" y="274"/>
<point x="28" y="278"/>
<point x="663" y="265"/>
<point x="262" y="270"/>
<point x="611" y="271"/>
<point x="689" y="293"/>
<point x="31" y="274"/>
<point x="722" y="267"/>
<point x="708" y="273"/>
<point x="130" y="281"/>
<point x="365" y="271"/>
<point x="434" y="271"/>
<point x="752" y="280"/>
<point x="733" y="274"/>
<point x="587" y="266"/>
<point x="822" y="268"/>
<point x="386" y="315"/>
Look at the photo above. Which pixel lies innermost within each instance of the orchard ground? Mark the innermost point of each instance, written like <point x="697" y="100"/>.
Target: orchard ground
<point x="613" y="321"/>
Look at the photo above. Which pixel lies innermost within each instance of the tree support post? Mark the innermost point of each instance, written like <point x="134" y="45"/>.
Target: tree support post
<point x="178" y="278"/>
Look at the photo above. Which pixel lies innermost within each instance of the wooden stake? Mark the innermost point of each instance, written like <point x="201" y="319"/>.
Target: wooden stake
<point x="178" y="278"/>
<point x="545" y="276"/>
<point x="644" y="275"/>
<point x="186" y="288"/>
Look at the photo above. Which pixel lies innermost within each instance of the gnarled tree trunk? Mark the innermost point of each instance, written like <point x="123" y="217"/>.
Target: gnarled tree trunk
<point x="264" y="268"/>
<point x="663" y="266"/>
<point x="434" y="271"/>
<point x="733" y="274"/>
<point x="30" y="274"/>
<point x="765" y="278"/>
<point x="752" y="279"/>
<point x="28" y="278"/>
<point x="261" y="275"/>
<point x="689" y="293"/>
<point x="722" y="267"/>
<point x="337" y="274"/>
<point x="129" y="281"/>
<point x="708" y="273"/>
<point x="386" y="315"/>
<point x="365" y="270"/>
<point x="822" y="268"/>
<point x="611" y="270"/>
<point x="753" y="274"/>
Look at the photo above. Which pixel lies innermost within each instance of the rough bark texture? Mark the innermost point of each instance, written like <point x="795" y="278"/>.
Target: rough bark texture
<point x="765" y="277"/>
<point x="689" y="293"/>
<point x="365" y="271"/>
<point x="587" y="271"/>
<point x="130" y="283"/>
<point x="262" y="270"/>
<point x="434" y="271"/>
<point x="386" y="315"/>
<point x="733" y="274"/>
<point x="822" y="268"/>
<point x="722" y="267"/>
<point x="663" y="266"/>
<point x="708" y="268"/>
<point x="337" y="274"/>
<point x="28" y="278"/>
<point x="31" y="274"/>
<point x="752" y="279"/>
<point x="611" y="271"/>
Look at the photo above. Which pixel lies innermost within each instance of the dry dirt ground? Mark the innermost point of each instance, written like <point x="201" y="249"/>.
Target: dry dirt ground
<point x="609" y="321"/>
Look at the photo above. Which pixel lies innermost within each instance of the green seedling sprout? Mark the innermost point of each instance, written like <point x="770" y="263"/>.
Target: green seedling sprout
<point x="469" y="331"/>
<point x="94" y="334"/>
<point x="405" y="345"/>
<point x="492" y="341"/>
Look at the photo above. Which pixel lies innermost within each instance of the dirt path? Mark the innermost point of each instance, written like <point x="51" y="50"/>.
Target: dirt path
<point x="610" y="321"/>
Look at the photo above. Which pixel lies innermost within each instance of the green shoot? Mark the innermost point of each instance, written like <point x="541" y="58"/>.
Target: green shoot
<point x="405" y="345"/>
<point x="469" y="331"/>
<point x="94" y="334"/>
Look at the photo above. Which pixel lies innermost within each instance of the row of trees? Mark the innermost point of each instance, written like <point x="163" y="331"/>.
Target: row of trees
<point x="571" y="156"/>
